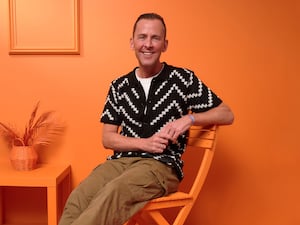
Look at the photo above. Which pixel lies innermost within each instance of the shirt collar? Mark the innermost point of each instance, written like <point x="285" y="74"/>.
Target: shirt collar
<point x="164" y="75"/>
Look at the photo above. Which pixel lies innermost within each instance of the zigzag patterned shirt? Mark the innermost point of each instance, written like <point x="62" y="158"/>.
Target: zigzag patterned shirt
<point x="173" y="93"/>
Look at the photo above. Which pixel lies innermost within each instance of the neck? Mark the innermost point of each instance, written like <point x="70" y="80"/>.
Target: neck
<point x="145" y="72"/>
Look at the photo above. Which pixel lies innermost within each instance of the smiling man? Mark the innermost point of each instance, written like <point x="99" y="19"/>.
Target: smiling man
<point x="148" y="42"/>
<point x="145" y="119"/>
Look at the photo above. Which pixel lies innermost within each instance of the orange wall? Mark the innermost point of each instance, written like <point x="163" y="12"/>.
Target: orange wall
<point x="245" y="50"/>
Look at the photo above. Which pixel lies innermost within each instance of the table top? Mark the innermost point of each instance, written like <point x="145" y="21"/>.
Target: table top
<point x="45" y="175"/>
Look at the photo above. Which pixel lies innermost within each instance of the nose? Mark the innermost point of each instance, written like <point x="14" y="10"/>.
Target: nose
<point x="148" y="43"/>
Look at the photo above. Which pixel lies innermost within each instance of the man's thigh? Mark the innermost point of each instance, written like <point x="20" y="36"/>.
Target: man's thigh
<point x="143" y="177"/>
<point x="146" y="179"/>
<point x="99" y="177"/>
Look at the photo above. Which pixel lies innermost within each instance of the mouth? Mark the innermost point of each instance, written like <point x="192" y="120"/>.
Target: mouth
<point x="147" y="53"/>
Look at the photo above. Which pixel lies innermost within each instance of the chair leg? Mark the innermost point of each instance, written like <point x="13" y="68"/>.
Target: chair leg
<point x="136" y="220"/>
<point x="158" y="217"/>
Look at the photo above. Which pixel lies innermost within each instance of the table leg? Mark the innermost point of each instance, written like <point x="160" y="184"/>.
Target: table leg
<point x="52" y="205"/>
<point x="63" y="192"/>
<point x="1" y="205"/>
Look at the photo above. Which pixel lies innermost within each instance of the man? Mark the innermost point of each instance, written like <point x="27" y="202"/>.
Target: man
<point x="151" y="107"/>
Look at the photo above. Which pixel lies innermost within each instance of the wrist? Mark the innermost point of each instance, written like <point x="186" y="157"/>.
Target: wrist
<point x="192" y="118"/>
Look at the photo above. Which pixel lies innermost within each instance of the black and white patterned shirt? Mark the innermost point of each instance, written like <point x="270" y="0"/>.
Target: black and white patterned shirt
<point x="173" y="93"/>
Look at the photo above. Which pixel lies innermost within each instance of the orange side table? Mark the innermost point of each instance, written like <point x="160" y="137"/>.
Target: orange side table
<point x="46" y="175"/>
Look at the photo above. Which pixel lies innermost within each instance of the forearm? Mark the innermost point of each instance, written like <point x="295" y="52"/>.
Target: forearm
<point x="221" y="115"/>
<point x="111" y="139"/>
<point x="121" y="143"/>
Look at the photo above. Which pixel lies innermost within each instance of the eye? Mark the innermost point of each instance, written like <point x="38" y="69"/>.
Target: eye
<point x="157" y="38"/>
<point x="141" y="37"/>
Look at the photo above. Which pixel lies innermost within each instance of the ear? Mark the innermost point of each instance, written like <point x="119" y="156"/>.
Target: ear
<point x="165" y="45"/>
<point x="131" y="43"/>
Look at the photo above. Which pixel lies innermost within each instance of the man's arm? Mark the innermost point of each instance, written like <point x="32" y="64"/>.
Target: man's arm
<point x="220" y="115"/>
<point x="111" y="139"/>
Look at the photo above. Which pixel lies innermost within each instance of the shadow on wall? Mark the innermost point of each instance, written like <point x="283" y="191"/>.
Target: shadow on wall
<point x="222" y="178"/>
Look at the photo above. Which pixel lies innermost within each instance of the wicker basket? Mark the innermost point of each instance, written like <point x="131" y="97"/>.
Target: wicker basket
<point x="23" y="158"/>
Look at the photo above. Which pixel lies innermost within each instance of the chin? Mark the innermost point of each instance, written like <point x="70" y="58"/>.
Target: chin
<point x="148" y="63"/>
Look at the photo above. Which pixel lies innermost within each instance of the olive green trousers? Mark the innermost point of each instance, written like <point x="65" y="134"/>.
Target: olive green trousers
<point x="116" y="190"/>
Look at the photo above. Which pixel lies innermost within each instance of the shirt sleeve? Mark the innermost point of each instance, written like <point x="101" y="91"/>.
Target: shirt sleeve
<point x="111" y="111"/>
<point x="201" y="98"/>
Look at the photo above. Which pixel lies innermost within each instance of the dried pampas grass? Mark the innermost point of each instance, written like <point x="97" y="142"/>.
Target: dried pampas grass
<point x="39" y="131"/>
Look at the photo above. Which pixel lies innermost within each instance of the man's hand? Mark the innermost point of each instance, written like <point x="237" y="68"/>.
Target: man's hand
<point x="157" y="143"/>
<point x="173" y="129"/>
<point x="169" y="133"/>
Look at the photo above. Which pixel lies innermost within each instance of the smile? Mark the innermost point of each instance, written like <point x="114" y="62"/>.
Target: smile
<point x="147" y="53"/>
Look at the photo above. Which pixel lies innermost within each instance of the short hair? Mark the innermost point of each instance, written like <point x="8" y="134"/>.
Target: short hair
<point x="150" y="16"/>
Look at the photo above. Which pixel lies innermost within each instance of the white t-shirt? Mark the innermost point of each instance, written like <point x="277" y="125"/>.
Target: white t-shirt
<point x="146" y="82"/>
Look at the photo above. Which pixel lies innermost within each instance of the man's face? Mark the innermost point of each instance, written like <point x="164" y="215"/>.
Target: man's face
<point x="149" y="42"/>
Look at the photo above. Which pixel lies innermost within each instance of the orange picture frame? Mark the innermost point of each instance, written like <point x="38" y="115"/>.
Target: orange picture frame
<point x="34" y="27"/>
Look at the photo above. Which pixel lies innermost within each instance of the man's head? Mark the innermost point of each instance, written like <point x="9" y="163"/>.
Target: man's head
<point x="149" y="41"/>
<point x="151" y="16"/>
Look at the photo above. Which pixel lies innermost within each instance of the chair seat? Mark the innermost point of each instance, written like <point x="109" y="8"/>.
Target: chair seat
<point x="176" y="199"/>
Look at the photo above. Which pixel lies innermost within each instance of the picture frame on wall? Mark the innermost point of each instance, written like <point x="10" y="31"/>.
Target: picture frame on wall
<point x="44" y="27"/>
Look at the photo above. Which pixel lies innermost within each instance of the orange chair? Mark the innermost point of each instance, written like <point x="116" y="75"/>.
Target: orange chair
<point x="199" y="138"/>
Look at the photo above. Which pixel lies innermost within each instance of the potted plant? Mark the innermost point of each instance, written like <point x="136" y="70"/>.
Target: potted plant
<point x="39" y="132"/>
